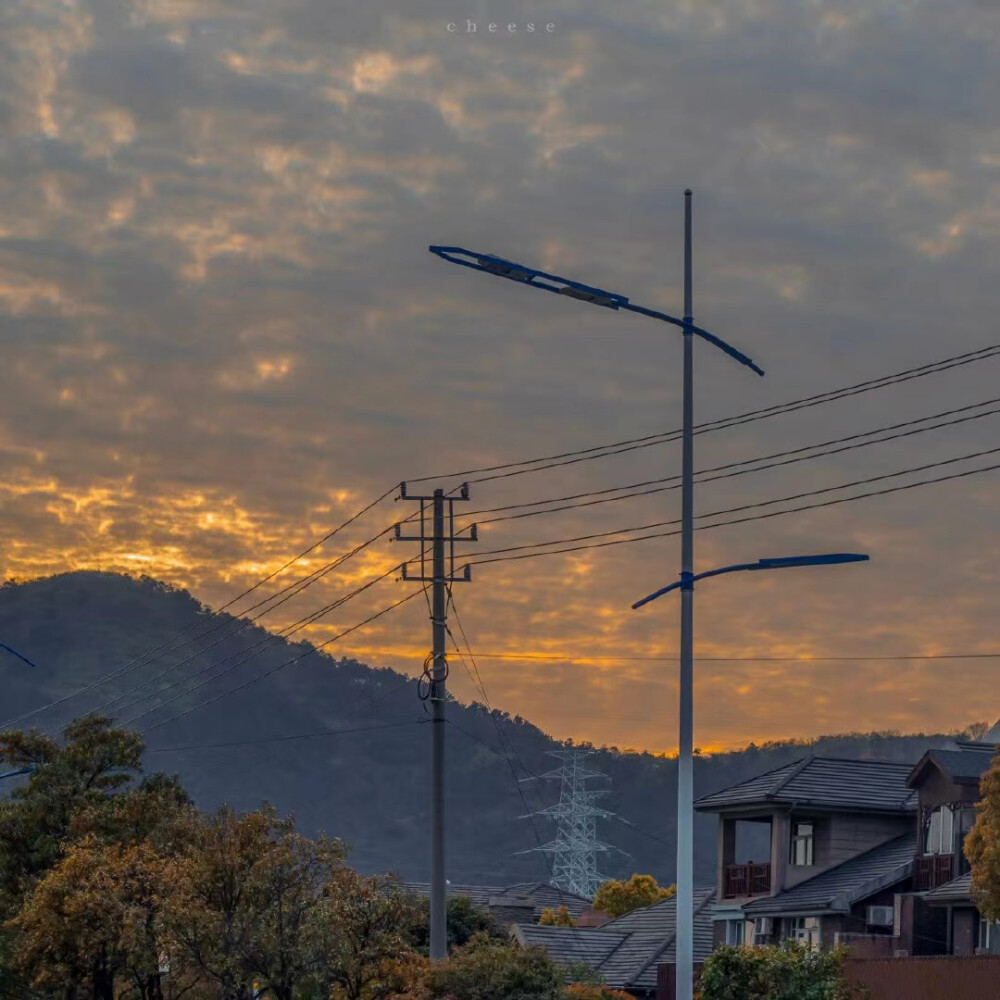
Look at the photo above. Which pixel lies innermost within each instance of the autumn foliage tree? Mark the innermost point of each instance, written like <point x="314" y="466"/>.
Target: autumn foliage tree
<point x="616" y="898"/>
<point x="982" y="844"/>
<point x="558" y="917"/>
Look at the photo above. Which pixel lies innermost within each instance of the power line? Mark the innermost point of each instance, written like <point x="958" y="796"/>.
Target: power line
<point x="132" y="664"/>
<point x="739" y="465"/>
<point x="285" y="739"/>
<point x="752" y="506"/>
<point x="651" y="440"/>
<point x="722" y="524"/>
<point x="244" y="655"/>
<point x="280" y="666"/>
<point x="240" y="625"/>
<point x="586" y="658"/>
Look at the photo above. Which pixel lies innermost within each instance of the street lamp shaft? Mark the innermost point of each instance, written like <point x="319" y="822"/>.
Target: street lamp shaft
<point x="685" y="757"/>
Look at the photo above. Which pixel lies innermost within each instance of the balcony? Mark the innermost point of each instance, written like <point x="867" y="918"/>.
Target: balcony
<point x="932" y="870"/>
<point x="751" y="879"/>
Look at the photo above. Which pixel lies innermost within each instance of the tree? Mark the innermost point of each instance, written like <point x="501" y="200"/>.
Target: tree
<point x="95" y="762"/>
<point x="94" y="920"/>
<point x="486" y="969"/>
<point x="248" y="890"/>
<point x="560" y="917"/>
<point x="789" y="971"/>
<point x="359" y="938"/>
<point x="462" y="917"/>
<point x="982" y="844"/>
<point x="617" y="897"/>
<point x="591" y="991"/>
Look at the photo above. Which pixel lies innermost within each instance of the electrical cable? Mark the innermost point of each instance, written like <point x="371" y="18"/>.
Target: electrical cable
<point x="272" y="670"/>
<point x="722" y="524"/>
<point x="240" y="625"/>
<point x="285" y="739"/>
<point x="738" y="466"/>
<point x="132" y="664"/>
<point x="663" y="437"/>
<point x="245" y="655"/>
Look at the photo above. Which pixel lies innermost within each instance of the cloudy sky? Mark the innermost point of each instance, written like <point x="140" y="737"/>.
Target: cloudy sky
<point x="223" y="333"/>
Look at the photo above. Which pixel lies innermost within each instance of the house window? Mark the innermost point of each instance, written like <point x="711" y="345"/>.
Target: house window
<point x="735" y="932"/>
<point x="802" y="844"/>
<point x="805" y="929"/>
<point x="939" y="836"/>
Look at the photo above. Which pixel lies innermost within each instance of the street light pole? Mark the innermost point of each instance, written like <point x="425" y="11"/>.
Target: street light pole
<point x="684" y="954"/>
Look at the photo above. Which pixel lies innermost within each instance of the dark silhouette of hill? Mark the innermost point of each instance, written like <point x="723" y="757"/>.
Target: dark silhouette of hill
<point x="369" y="788"/>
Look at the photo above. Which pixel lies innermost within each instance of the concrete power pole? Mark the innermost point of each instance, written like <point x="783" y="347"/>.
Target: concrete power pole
<point x="441" y="577"/>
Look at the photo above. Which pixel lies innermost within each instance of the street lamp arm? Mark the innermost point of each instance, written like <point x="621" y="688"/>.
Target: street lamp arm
<point x="491" y="264"/>
<point x="780" y="562"/>
<point x="9" y="649"/>
<point x="704" y="334"/>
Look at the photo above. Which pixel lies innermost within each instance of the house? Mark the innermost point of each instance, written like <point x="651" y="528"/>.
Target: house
<point x="522" y="902"/>
<point x="626" y="950"/>
<point x="947" y="784"/>
<point x="838" y="840"/>
<point x="863" y="852"/>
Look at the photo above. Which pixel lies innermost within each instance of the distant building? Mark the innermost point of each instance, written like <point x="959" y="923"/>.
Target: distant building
<point x="626" y="951"/>
<point x="523" y="902"/>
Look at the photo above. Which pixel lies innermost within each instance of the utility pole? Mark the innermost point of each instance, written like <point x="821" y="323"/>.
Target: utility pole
<point x="441" y="576"/>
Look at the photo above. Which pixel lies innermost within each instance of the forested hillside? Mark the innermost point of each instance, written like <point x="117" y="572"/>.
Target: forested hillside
<point x="368" y="787"/>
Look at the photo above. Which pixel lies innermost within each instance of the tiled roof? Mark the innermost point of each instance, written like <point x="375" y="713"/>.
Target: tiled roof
<point x="627" y="950"/>
<point x="836" y="783"/>
<point x="957" y="890"/>
<point x="539" y="894"/>
<point x="838" y="888"/>
<point x="966" y="764"/>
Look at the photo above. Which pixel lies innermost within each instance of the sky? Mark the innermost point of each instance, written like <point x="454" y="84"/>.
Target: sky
<point x="223" y="334"/>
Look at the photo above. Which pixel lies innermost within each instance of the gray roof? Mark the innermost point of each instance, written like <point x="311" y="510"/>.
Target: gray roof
<point x="627" y="950"/>
<point x="958" y="890"/>
<point x="993" y="736"/>
<point x="964" y="765"/>
<point x="826" y="782"/>
<point x="840" y="887"/>
<point x="538" y="894"/>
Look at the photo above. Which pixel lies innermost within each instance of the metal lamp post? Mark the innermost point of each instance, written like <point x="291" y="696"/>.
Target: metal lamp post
<point x="533" y="278"/>
<point x="685" y="800"/>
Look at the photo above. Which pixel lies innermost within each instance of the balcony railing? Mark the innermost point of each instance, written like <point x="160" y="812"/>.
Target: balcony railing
<point x="751" y="879"/>
<point x="932" y="870"/>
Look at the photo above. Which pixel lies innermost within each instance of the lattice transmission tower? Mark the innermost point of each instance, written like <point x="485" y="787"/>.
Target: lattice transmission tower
<point x="575" y="847"/>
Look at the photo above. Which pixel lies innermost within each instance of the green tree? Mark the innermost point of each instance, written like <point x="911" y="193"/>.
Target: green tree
<point x="560" y="917"/>
<point x="982" y="844"/>
<point x="790" y="971"/>
<point x="486" y="969"/>
<point x="618" y="897"/>
<point x="463" y="919"/>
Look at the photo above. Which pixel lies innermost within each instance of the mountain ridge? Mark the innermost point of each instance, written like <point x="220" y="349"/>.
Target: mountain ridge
<point x="366" y="779"/>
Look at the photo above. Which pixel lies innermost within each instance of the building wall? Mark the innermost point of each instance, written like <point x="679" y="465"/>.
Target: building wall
<point x="840" y="836"/>
<point x="937" y="789"/>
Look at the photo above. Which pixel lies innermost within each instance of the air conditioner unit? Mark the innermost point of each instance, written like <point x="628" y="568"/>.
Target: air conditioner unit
<point x="982" y="951"/>
<point x="901" y="953"/>
<point x="880" y="916"/>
